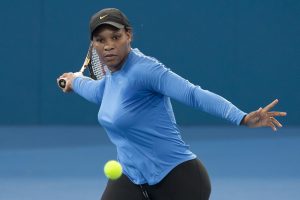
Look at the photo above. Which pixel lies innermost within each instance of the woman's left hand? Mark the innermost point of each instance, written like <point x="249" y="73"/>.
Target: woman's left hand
<point x="264" y="117"/>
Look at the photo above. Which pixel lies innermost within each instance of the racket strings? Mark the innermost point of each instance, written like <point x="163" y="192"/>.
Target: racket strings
<point x="96" y="65"/>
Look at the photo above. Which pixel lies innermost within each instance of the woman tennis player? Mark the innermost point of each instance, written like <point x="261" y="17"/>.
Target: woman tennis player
<point x="136" y="112"/>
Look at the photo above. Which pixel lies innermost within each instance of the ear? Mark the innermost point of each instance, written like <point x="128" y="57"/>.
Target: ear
<point x="129" y="35"/>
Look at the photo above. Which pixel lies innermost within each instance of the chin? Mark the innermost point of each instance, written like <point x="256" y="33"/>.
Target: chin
<point x="113" y="66"/>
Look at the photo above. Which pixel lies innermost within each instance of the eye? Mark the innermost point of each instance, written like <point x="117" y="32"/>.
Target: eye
<point x="100" y="40"/>
<point x="116" y="37"/>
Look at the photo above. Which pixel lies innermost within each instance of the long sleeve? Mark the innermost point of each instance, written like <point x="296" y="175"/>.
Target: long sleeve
<point x="91" y="90"/>
<point x="164" y="81"/>
<point x="137" y="114"/>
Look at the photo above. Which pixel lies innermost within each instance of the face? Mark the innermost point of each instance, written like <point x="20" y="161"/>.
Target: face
<point x="112" y="45"/>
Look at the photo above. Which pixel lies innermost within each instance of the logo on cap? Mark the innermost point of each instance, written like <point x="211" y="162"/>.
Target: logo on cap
<point x="101" y="17"/>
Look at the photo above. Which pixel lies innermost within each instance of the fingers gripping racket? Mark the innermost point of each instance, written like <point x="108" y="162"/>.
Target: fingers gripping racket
<point x="94" y="65"/>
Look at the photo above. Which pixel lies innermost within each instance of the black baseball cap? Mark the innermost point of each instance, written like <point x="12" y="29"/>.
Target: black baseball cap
<point x="110" y="16"/>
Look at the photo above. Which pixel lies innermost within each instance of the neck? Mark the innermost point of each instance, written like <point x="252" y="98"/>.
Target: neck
<point x="116" y="68"/>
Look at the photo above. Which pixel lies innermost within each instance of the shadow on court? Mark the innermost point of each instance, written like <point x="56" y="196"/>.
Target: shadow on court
<point x="66" y="162"/>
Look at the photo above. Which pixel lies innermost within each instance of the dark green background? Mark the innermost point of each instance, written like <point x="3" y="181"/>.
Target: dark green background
<point x="247" y="51"/>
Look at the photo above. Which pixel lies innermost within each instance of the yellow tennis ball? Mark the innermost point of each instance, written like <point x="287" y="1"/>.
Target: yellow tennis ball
<point x="113" y="169"/>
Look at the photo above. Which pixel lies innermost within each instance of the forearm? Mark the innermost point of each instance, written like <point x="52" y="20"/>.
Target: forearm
<point x="216" y="105"/>
<point x="89" y="89"/>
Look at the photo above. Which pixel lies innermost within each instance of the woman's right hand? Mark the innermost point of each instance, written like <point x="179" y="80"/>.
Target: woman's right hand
<point x="68" y="77"/>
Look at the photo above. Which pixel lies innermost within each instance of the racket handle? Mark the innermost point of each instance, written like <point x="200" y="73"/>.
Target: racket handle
<point x="62" y="83"/>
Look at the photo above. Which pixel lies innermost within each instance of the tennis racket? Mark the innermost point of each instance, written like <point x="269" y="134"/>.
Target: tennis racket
<point x="92" y="63"/>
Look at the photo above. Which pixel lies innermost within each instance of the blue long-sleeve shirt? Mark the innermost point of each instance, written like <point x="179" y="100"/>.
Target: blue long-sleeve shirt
<point x="136" y="112"/>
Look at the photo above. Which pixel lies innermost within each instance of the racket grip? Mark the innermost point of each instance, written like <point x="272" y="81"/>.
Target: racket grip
<point x="62" y="83"/>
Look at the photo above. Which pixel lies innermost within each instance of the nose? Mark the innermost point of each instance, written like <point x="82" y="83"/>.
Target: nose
<point x="109" y="46"/>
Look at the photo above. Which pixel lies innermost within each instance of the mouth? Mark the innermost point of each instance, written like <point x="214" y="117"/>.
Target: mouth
<point x="109" y="55"/>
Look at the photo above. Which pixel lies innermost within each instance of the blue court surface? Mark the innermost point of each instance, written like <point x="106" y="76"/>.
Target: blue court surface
<point x="62" y="162"/>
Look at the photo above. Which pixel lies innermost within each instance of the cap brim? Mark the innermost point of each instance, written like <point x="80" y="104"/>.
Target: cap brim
<point x="117" y="25"/>
<point x="114" y="24"/>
